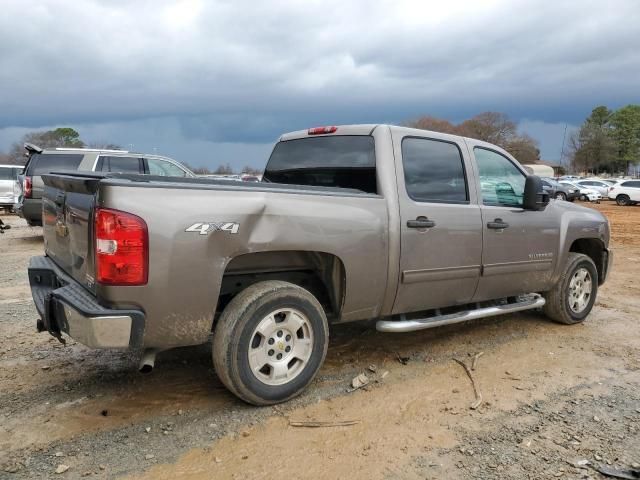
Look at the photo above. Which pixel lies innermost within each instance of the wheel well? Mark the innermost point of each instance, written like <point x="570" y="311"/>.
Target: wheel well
<point x="594" y="249"/>
<point x="320" y="273"/>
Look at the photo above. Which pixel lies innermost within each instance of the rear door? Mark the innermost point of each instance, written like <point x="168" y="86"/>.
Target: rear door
<point x="520" y="247"/>
<point x="42" y="163"/>
<point x="441" y="232"/>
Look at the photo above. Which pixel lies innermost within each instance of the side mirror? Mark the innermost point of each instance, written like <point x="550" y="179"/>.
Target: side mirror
<point x="535" y="197"/>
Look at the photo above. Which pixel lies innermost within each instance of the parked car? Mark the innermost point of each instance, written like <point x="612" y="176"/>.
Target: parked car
<point x="558" y="191"/>
<point x="626" y="192"/>
<point x="43" y="161"/>
<point x="570" y="177"/>
<point x="601" y="186"/>
<point x="350" y="223"/>
<point x="8" y="185"/>
<point x="586" y="194"/>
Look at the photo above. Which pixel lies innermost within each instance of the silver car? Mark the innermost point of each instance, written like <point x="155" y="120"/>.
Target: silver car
<point x="9" y="185"/>
<point x="42" y="161"/>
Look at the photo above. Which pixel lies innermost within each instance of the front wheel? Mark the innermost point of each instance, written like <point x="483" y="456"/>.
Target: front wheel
<point x="270" y="342"/>
<point x="560" y="196"/>
<point x="623" y="200"/>
<point x="572" y="298"/>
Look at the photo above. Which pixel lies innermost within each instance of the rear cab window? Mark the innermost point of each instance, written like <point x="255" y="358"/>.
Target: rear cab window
<point x="346" y="161"/>
<point x="43" y="163"/>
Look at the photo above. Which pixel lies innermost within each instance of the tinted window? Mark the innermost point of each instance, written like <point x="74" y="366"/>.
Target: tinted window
<point x="501" y="182"/>
<point x="9" y="173"/>
<point x="164" y="168"/>
<point x="433" y="171"/>
<point x="41" y="163"/>
<point x="633" y="184"/>
<point x="119" y="164"/>
<point x="340" y="161"/>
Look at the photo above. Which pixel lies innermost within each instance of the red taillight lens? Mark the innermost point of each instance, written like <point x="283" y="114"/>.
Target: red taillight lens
<point x="322" y="130"/>
<point x="26" y="187"/>
<point x="122" y="248"/>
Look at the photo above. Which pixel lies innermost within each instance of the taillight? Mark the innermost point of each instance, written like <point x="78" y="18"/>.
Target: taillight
<point x="26" y="187"/>
<point x="122" y="248"/>
<point x="321" y="130"/>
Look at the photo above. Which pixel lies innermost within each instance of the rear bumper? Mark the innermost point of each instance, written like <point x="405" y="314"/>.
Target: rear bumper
<point x="66" y="307"/>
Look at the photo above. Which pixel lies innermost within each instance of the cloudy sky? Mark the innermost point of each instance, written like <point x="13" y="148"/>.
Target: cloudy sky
<point x="210" y="82"/>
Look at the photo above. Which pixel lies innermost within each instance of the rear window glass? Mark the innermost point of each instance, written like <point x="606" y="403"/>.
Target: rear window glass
<point x="41" y="163"/>
<point x="9" y="173"/>
<point x="339" y="161"/>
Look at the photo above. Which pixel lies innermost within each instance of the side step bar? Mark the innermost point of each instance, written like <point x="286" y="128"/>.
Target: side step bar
<point x="404" y="325"/>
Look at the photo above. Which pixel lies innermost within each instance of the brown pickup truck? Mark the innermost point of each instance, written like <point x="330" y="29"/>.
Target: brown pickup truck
<point x="413" y="228"/>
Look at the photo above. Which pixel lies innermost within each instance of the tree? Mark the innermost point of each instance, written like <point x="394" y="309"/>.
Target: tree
<point x="492" y="127"/>
<point x="105" y="146"/>
<point x="223" y="170"/>
<point x="626" y="131"/>
<point x="250" y="170"/>
<point x="434" y="124"/>
<point x="593" y="147"/>
<point x="60" y="137"/>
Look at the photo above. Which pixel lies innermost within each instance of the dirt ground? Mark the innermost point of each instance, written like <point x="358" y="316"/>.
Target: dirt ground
<point x="554" y="397"/>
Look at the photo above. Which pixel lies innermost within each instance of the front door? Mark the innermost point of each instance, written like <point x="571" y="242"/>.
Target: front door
<point x="441" y="231"/>
<point x="520" y="247"/>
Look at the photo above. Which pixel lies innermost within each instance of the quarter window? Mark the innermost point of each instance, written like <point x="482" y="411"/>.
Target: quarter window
<point x="119" y="164"/>
<point x="164" y="168"/>
<point x="501" y="182"/>
<point x="433" y="171"/>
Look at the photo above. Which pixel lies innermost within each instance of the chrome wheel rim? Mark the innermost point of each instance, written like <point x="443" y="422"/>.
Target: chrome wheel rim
<point x="559" y="196"/>
<point x="280" y="346"/>
<point x="580" y="288"/>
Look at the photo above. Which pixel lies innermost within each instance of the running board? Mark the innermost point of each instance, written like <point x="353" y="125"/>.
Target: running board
<point x="404" y="325"/>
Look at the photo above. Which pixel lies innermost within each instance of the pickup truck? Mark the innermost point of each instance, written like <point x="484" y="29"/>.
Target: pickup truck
<point x="412" y="228"/>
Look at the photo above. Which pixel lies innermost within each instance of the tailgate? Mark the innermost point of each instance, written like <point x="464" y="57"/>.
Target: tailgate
<point x="67" y="216"/>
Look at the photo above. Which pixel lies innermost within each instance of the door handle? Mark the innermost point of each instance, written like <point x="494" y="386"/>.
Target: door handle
<point x="421" y="222"/>
<point x="497" y="224"/>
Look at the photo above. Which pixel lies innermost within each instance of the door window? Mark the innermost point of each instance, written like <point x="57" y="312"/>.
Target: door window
<point x="164" y="168"/>
<point x="501" y="182"/>
<point x="119" y="164"/>
<point x="433" y="171"/>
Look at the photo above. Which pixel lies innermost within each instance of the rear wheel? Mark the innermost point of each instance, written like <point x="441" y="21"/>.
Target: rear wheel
<point x="623" y="200"/>
<point x="572" y="298"/>
<point x="560" y="196"/>
<point x="270" y="342"/>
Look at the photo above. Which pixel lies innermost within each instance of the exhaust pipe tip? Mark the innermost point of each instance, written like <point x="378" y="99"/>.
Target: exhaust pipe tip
<point x="148" y="360"/>
<point x="146" y="368"/>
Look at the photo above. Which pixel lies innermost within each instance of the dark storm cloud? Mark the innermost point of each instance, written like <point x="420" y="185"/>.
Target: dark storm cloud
<point x="245" y="71"/>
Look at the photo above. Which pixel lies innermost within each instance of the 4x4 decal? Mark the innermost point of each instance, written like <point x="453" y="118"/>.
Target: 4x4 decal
<point x="205" y="228"/>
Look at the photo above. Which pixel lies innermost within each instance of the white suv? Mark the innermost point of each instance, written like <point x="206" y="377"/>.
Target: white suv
<point x="626" y="192"/>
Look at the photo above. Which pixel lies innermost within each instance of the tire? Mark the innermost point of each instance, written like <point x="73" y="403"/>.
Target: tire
<point x="562" y="306"/>
<point x="623" y="200"/>
<point x="291" y="319"/>
<point x="560" y="196"/>
<point x="584" y="198"/>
